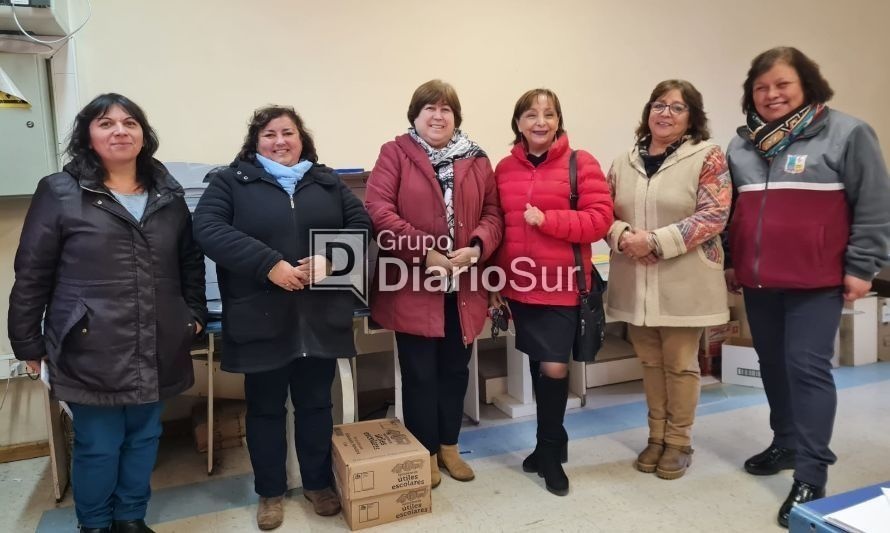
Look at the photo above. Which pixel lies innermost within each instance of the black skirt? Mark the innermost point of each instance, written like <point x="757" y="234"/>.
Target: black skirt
<point x="545" y="333"/>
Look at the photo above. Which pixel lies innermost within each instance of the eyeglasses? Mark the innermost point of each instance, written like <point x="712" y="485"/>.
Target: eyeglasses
<point x="500" y="317"/>
<point x="675" y="109"/>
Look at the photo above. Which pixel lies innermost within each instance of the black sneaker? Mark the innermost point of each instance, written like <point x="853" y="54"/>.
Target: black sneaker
<point x="771" y="461"/>
<point x="800" y="493"/>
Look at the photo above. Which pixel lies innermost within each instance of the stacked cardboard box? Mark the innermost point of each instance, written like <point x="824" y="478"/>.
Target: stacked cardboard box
<point x="382" y="473"/>
<point x="712" y="340"/>
<point x="228" y="424"/>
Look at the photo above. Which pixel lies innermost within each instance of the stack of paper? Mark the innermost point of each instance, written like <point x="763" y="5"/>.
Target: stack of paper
<point x="870" y="516"/>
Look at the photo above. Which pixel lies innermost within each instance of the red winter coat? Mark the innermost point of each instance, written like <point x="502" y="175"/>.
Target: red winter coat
<point x="543" y="272"/>
<point x="407" y="208"/>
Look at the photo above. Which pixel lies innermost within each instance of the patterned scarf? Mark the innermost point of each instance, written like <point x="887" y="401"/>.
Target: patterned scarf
<point x="442" y="160"/>
<point x="770" y="138"/>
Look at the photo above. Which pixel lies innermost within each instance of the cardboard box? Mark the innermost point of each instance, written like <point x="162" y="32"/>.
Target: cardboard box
<point x="378" y="457"/>
<point x="709" y="365"/>
<point x="740" y="364"/>
<point x="368" y="512"/>
<point x="859" y="332"/>
<point x="228" y="425"/>
<point x="713" y="336"/>
<point x="884" y="329"/>
<point x="738" y="313"/>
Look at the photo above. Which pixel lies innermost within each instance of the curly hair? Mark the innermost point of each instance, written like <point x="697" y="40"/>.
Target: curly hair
<point x="261" y="118"/>
<point x="698" y="119"/>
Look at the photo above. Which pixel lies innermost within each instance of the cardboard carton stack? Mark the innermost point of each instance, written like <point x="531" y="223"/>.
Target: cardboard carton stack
<point x="711" y="347"/>
<point x="382" y="473"/>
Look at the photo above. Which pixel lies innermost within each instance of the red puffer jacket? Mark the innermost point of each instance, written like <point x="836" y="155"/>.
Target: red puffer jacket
<point x="542" y="257"/>
<point x="406" y="206"/>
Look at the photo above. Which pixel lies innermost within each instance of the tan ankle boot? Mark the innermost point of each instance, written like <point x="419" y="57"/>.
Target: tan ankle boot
<point x="648" y="458"/>
<point x="449" y="459"/>
<point x="435" y="476"/>
<point x="324" y="501"/>
<point x="270" y="512"/>
<point x="674" y="461"/>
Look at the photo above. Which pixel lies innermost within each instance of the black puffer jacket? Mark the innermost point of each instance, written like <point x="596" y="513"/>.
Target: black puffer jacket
<point x="121" y="297"/>
<point x="246" y="222"/>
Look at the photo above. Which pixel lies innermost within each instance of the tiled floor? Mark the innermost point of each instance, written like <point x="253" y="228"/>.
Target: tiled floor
<point x="607" y="494"/>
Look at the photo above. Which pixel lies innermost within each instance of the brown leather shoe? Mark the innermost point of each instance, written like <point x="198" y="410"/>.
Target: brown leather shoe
<point x="674" y="461"/>
<point x="648" y="458"/>
<point x="270" y="512"/>
<point x="324" y="501"/>
<point x="449" y="459"/>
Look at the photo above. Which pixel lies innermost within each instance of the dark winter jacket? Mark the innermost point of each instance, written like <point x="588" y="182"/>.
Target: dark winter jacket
<point x="246" y="223"/>
<point x="120" y="296"/>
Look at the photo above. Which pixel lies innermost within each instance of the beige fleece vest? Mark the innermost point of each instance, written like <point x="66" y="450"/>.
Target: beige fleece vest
<point x="685" y="288"/>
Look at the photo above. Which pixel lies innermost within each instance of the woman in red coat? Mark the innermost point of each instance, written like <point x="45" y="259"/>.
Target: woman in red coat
<point x="537" y="256"/>
<point x="433" y="203"/>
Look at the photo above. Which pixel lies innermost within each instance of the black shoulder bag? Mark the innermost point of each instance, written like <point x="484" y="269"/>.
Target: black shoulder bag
<point x="591" y="332"/>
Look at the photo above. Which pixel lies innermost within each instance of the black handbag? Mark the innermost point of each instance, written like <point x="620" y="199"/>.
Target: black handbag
<point x="591" y="330"/>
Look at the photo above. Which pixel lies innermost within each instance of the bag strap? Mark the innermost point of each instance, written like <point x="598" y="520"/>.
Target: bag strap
<point x="573" y="202"/>
<point x="596" y="279"/>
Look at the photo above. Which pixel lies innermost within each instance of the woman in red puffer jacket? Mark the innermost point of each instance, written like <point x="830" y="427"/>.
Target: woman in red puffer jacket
<point x="537" y="257"/>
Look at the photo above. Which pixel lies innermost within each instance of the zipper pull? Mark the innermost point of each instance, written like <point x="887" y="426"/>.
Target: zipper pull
<point x="291" y="202"/>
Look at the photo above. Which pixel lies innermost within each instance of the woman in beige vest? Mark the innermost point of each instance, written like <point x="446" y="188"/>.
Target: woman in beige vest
<point x="672" y="194"/>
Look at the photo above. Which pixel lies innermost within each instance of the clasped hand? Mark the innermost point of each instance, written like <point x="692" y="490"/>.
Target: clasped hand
<point x="309" y="270"/>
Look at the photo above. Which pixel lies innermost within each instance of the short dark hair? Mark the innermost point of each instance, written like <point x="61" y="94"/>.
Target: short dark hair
<point x="525" y="102"/>
<point x="815" y="88"/>
<point x="87" y="162"/>
<point x="261" y="118"/>
<point x="432" y="92"/>
<point x="698" y="119"/>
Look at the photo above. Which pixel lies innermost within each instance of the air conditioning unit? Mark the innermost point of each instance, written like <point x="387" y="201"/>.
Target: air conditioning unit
<point x="37" y="17"/>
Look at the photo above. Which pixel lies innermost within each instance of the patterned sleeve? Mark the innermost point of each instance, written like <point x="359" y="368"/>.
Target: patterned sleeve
<point x="712" y="205"/>
<point x="711" y="209"/>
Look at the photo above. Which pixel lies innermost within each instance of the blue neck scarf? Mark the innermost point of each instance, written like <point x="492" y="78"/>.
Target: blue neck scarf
<point x="287" y="177"/>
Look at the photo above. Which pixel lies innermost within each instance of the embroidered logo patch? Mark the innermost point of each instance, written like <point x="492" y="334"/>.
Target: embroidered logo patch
<point x="795" y="164"/>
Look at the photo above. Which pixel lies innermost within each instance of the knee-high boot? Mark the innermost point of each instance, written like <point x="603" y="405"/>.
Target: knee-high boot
<point x="552" y="436"/>
<point x="530" y="463"/>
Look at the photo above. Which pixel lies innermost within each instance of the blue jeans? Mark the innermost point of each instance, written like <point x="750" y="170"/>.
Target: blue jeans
<point x="114" y="453"/>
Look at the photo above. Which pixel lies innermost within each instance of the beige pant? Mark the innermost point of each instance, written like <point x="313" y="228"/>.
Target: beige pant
<point x="671" y="379"/>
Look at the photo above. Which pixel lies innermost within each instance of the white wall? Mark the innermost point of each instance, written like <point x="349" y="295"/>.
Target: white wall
<point x="349" y="67"/>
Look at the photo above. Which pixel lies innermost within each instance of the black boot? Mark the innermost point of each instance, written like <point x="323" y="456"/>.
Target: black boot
<point x="130" y="526"/>
<point x="552" y="437"/>
<point x="800" y="493"/>
<point x="530" y="464"/>
<point x="84" y="529"/>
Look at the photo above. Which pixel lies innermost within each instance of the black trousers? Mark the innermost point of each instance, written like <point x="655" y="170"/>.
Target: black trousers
<point x="794" y="334"/>
<point x="434" y="381"/>
<point x="309" y="380"/>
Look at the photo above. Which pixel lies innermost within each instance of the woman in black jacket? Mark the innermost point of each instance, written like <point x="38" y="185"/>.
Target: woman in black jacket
<point x="107" y="255"/>
<point x="255" y="221"/>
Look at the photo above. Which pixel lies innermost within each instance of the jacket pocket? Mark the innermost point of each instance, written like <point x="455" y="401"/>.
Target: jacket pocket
<point x="711" y="253"/>
<point x="260" y="316"/>
<point x="57" y="329"/>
